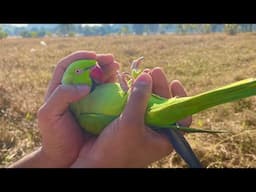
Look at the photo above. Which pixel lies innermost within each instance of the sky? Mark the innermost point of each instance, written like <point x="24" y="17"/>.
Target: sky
<point x="24" y="25"/>
<point x="20" y="25"/>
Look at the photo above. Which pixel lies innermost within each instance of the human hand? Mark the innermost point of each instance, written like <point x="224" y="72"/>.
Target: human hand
<point x="118" y="145"/>
<point x="127" y="142"/>
<point x="162" y="88"/>
<point x="62" y="138"/>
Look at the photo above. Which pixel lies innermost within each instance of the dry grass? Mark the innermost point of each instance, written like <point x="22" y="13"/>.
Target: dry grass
<point x="200" y="62"/>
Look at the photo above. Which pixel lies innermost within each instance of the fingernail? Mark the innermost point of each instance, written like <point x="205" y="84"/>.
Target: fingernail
<point x="146" y="70"/>
<point x="143" y="79"/>
<point x="83" y="88"/>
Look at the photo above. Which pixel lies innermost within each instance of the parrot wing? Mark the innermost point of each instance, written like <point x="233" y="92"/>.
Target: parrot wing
<point x="95" y="122"/>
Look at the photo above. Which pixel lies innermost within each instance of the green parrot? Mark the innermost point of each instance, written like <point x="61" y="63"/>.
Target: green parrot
<point x="106" y="102"/>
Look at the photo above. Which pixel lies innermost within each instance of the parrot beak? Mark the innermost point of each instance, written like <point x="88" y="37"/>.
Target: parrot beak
<point x="97" y="74"/>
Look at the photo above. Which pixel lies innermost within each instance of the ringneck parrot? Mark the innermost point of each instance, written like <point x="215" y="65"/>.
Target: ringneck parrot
<point x="106" y="102"/>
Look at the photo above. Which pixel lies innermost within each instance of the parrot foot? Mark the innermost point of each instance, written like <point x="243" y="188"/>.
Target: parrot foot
<point x="125" y="77"/>
<point x="135" y="63"/>
<point x="122" y="80"/>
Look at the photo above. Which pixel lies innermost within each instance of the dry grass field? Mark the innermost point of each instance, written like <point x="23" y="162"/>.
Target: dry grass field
<point x="200" y="62"/>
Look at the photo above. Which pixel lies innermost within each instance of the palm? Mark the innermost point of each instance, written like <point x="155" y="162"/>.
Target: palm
<point x="123" y="145"/>
<point x="62" y="138"/>
<point x="67" y="143"/>
<point x="124" y="141"/>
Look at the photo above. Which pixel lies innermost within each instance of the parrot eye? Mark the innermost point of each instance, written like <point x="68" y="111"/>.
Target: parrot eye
<point x="78" y="71"/>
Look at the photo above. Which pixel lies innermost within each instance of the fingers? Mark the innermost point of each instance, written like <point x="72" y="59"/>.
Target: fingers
<point x="63" y="64"/>
<point x="160" y="84"/>
<point x="108" y="66"/>
<point x="57" y="104"/>
<point x="133" y="114"/>
<point x="178" y="90"/>
<point x="105" y="59"/>
<point x="161" y="88"/>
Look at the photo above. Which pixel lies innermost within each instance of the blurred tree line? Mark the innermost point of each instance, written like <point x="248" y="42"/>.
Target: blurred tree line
<point x="3" y="34"/>
<point x="41" y="30"/>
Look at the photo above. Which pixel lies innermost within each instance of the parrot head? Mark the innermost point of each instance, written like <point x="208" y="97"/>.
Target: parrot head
<point x="82" y="72"/>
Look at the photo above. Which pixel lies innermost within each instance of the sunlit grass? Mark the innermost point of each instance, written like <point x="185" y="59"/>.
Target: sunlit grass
<point x="200" y="62"/>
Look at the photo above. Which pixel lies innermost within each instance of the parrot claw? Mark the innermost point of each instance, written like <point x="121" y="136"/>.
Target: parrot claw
<point x="135" y="63"/>
<point x="122" y="80"/>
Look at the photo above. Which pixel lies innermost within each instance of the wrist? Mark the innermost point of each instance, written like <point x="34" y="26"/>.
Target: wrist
<point x="104" y="163"/>
<point x="36" y="159"/>
<point x="85" y="163"/>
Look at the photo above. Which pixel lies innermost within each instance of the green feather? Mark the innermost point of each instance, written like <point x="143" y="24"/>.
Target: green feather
<point x="78" y="73"/>
<point x="190" y="129"/>
<point x="174" y="109"/>
<point x="94" y="122"/>
<point x="107" y="101"/>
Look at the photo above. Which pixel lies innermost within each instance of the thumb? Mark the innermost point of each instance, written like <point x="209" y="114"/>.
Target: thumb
<point x="137" y="102"/>
<point x="62" y="96"/>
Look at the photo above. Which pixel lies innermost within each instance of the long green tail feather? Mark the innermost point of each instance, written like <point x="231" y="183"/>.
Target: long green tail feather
<point x="175" y="109"/>
<point x="191" y="130"/>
